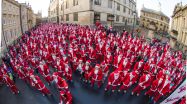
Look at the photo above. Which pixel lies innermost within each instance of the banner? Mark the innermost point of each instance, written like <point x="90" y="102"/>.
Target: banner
<point x="176" y="95"/>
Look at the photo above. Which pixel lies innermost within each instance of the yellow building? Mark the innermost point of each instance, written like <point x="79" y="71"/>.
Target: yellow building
<point x="179" y="27"/>
<point x="11" y="26"/>
<point x="159" y="20"/>
<point x="87" y="12"/>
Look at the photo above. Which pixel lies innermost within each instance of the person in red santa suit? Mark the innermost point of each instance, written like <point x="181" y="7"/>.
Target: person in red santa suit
<point x="155" y="84"/>
<point x="74" y="62"/>
<point x="105" y="69"/>
<point x="65" y="97"/>
<point x="125" y="65"/>
<point x="86" y="69"/>
<point x="92" y="54"/>
<point x="21" y="74"/>
<point x="68" y="72"/>
<point x="146" y="67"/>
<point x="117" y="60"/>
<point x="96" y="75"/>
<point x="34" y="62"/>
<point x="36" y="82"/>
<point x="143" y="83"/>
<point x="108" y="57"/>
<point x="163" y="89"/>
<point x="9" y="83"/>
<point x="60" y="82"/>
<point x="44" y="71"/>
<point x="114" y="80"/>
<point x="139" y="66"/>
<point x="80" y="66"/>
<point x="130" y="79"/>
<point x="65" y="58"/>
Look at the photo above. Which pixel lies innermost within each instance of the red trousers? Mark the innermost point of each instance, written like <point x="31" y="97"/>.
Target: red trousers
<point x="124" y="88"/>
<point x="14" y="89"/>
<point x="68" y="77"/>
<point x="157" y="95"/>
<point x="149" y="92"/>
<point x="48" y="79"/>
<point x="98" y="83"/>
<point x="113" y="87"/>
<point x="137" y="89"/>
<point x="45" y="91"/>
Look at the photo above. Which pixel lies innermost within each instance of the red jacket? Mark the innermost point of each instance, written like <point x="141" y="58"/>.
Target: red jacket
<point x="114" y="78"/>
<point x="96" y="75"/>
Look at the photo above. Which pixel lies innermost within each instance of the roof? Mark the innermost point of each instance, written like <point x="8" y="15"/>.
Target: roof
<point x="154" y="11"/>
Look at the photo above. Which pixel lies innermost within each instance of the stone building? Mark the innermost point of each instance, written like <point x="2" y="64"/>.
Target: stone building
<point x="179" y="28"/>
<point x="38" y="18"/>
<point x="158" y="19"/>
<point x="16" y="19"/>
<point x="88" y="12"/>
<point x="30" y="15"/>
<point x="24" y="21"/>
<point x="11" y="25"/>
<point x="53" y="14"/>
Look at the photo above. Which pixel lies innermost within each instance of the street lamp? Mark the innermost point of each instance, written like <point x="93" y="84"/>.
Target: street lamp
<point x="134" y="14"/>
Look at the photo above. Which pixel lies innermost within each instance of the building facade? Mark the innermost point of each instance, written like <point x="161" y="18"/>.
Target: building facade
<point x="38" y="18"/>
<point x="30" y="15"/>
<point x="149" y="18"/>
<point x="24" y="21"/>
<point x="16" y="19"/>
<point x="53" y="14"/>
<point x="11" y="25"/>
<point x="88" y="12"/>
<point x="179" y="27"/>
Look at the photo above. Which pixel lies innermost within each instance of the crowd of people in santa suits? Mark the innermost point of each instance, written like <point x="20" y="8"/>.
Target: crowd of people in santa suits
<point x="120" y="59"/>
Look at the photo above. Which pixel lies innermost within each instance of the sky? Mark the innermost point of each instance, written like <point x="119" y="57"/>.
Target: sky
<point x="167" y="6"/>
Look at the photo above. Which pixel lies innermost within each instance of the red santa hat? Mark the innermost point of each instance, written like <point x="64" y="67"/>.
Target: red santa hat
<point x="103" y="63"/>
<point x="88" y="61"/>
<point x="97" y="66"/>
<point x="55" y="74"/>
<point x="80" y="60"/>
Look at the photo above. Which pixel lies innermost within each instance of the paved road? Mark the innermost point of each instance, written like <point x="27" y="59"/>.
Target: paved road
<point x="82" y="94"/>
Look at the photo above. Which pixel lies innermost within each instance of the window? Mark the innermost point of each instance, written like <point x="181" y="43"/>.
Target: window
<point x="4" y="22"/>
<point x="11" y="33"/>
<point x="118" y="6"/>
<point x="124" y="9"/>
<point x="67" y="17"/>
<point x="123" y="19"/>
<point x="109" y="3"/>
<point x="75" y="2"/>
<point x="5" y="35"/>
<point x="62" y="7"/>
<point x="97" y="2"/>
<point x="67" y="4"/>
<point x="161" y="18"/>
<point x="117" y="18"/>
<point x="75" y="16"/>
<point x="62" y="18"/>
<point x="97" y="16"/>
<point x="129" y="11"/>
